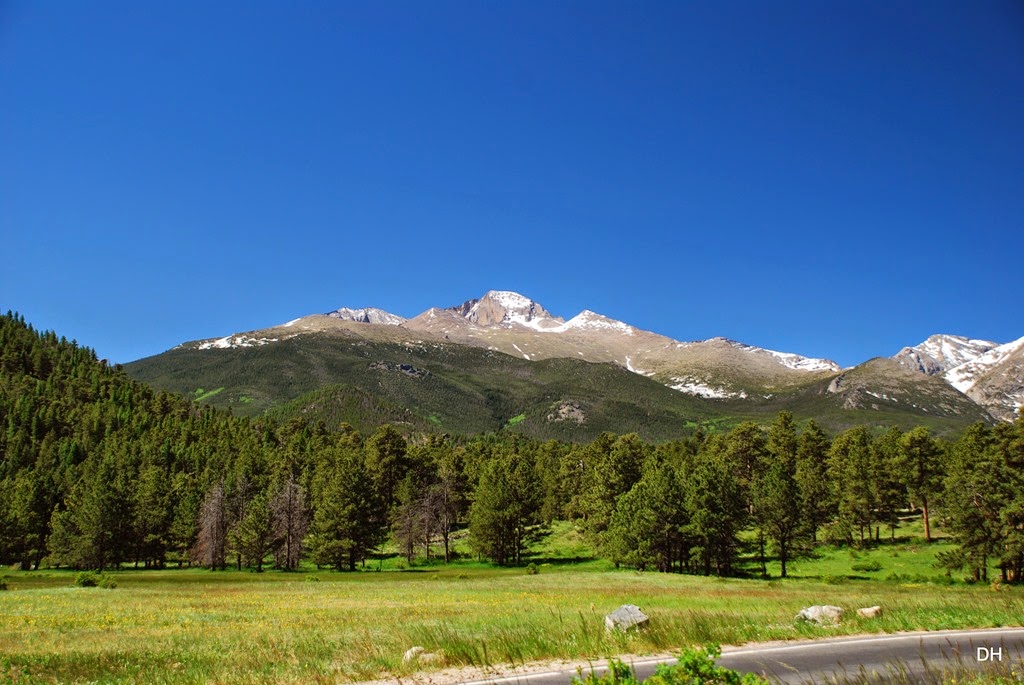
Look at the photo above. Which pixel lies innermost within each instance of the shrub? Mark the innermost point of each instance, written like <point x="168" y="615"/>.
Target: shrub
<point x="87" y="579"/>
<point x="107" y="583"/>
<point x="312" y="579"/>
<point x="834" y="580"/>
<point x="531" y="569"/>
<point x="3" y="584"/>
<point x="867" y="566"/>
<point x="695" y="667"/>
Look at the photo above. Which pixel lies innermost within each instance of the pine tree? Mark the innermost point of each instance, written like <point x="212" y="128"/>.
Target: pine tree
<point x="776" y="495"/>
<point x="852" y="470"/>
<point x="921" y="467"/>
<point x="812" y="477"/>
<point x="349" y="519"/>
<point x="506" y="503"/>
<point x="252" y="536"/>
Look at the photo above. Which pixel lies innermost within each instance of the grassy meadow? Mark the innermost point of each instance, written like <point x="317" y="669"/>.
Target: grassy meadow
<point x="197" y="626"/>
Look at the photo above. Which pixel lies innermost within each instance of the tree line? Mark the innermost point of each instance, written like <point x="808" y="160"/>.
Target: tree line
<point x="99" y="471"/>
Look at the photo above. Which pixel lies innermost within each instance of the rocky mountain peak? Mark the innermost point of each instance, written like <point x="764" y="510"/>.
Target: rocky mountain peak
<point x="502" y="307"/>
<point x="941" y="353"/>
<point x="367" y="315"/>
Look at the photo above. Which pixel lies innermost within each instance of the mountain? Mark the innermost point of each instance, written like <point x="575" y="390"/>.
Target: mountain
<point x="388" y="374"/>
<point x="994" y="379"/>
<point x="940" y="353"/>
<point x="716" y="368"/>
<point x="367" y="315"/>
<point x="504" y="361"/>
<point x="990" y="374"/>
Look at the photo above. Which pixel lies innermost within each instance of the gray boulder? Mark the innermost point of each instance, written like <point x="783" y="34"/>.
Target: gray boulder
<point x="822" y="614"/>
<point x="625" y="617"/>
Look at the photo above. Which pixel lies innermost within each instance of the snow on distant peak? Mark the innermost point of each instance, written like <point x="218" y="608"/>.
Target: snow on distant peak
<point x="588" y="320"/>
<point x="789" y="360"/>
<point x="964" y="377"/>
<point x="506" y="308"/>
<point x="795" y="361"/>
<point x="367" y="315"/>
<point x="509" y="300"/>
<point x="942" y="353"/>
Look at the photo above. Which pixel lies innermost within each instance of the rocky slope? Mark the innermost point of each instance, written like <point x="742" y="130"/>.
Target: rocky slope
<point x="728" y="379"/>
<point x="990" y="374"/>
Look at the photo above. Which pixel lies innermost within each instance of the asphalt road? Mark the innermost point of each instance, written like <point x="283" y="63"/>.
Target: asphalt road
<point x="816" y="661"/>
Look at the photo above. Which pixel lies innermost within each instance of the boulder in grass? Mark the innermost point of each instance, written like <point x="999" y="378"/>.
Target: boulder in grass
<point x="625" y="617"/>
<point x="418" y="655"/>
<point x="412" y="654"/>
<point x="822" y="614"/>
<point x="870" y="612"/>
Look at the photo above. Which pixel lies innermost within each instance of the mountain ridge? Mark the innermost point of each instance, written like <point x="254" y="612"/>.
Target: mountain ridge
<point x="724" y="376"/>
<point x="714" y="368"/>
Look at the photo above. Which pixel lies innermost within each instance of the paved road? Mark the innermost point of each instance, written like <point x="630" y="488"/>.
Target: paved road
<point x="815" y="661"/>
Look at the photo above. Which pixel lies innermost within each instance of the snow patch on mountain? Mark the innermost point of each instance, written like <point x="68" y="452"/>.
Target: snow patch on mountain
<point x="506" y="308"/>
<point x="943" y="353"/>
<point x="695" y="386"/>
<point x="787" y="359"/>
<point x="588" y="320"/>
<point x="795" y="361"/>
<point x="229" y="341"/>
<point x="367" y="315"/>
<point x="630" y="367"/>
<point x="964" y="376"/>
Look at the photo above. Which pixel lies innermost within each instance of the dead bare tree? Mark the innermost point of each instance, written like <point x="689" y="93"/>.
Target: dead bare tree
<point x="211" y="540"/>
<point x="291" y="521"/>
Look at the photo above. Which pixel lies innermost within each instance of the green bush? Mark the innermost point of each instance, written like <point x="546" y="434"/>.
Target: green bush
<point x="107" y="583"/>
<point x="87" y="579"/>
<point x="312" y="579"/>
<point x="867" y="566"/>
<point x="531" y="569"/>
<point x="3" y="584"/>
<point x="695" y="667"/>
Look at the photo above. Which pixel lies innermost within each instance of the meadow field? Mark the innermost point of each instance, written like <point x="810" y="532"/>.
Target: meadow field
<point x="198" y="626"/>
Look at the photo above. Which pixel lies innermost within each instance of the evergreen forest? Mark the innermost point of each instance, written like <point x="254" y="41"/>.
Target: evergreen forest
<point x="98" y="471"/>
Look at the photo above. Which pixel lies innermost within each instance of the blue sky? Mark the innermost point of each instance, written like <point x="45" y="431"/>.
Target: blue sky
<point x="834" y="179"/>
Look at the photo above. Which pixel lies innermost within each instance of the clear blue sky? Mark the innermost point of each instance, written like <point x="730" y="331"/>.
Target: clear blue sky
<point x="835" y="179"/>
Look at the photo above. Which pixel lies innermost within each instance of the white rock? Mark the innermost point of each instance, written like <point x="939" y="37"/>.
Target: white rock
<point x="821" y="614"/>
<point x="870" y="612"/>
<point x="625" y="617"/>
<point x="418" y="655"/>
<point x="412" y="654"/>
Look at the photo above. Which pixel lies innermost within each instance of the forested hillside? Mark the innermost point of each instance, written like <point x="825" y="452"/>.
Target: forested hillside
<point x="99" y="471"/>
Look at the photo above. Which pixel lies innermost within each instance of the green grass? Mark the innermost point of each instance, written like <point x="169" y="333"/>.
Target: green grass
<point x="199" y="395"/>
<point x="517" y="419"/>
<point x="196" y="626"/>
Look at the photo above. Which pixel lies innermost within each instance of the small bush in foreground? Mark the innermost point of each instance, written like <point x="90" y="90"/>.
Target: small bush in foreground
<point x="695" y="667"/>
